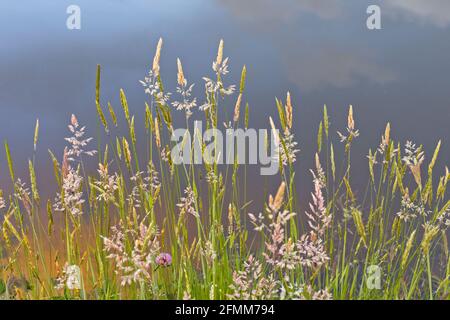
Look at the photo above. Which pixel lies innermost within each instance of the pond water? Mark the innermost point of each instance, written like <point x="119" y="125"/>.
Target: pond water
<point x="319" y="50"/>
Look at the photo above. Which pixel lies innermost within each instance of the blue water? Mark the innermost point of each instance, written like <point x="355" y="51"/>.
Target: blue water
<point x="320" y="50"/>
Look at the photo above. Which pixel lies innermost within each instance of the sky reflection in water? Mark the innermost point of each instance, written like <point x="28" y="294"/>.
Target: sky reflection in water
<point x="320" y="50"/>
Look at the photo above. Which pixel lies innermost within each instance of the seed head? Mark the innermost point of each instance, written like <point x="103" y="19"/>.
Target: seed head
<point x="180" y="76"/>
<point x="219" y="58"/>
<point x="157" y="57"/>
<point x="289" y="110"/>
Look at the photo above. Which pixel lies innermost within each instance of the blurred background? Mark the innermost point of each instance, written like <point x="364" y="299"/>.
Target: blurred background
<point x="319" y="50"/>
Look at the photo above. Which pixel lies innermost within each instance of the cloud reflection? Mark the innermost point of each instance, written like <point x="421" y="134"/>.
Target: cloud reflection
<point x="436" y="12"/>
<point x="282" y="10"/>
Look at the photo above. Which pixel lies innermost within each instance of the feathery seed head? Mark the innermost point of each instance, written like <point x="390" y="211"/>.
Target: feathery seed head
<point x="219" y="58"/>
<point x="289" y="110"/>
<point x="350" y="120"/>
<point x="180" y="76"/>
<point x="387" y="134"/>
<point x="157" y="133"/>
<point x="237" y="108"/>
<point x="157" y="57"/>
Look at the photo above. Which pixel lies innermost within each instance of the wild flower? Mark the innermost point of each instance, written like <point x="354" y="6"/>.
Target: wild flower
<point x="276" y="203"/>
<point x="165" y="154"/>
<point x="143" y="184"/>
<point x="134" y="266"/>
<point x="384" y="144"/>
<point x="213" y="87"/>
<point x="351" y="131"/>
<point x="134" y="198"/>
<point x="162" y="98"/>
<point x="257" y="221"/>
<point x="185" y="91"/>
<point x="163" y="260"/>
<point x="318" y="219"/>
<point x="208" y="252"/>
<point x="288" y="150"/>
<point x="289" y="256"/>
<point x="150" y="84"/>
<point x="251" y="283"/>
<point x="414" y="157"/>
<point x="311" y="251"/>
<point x="288" y="110"/>
<point x="70" y="278"/>
<point x="291" y="291"/>
<point x="211" y="177"/>
<point x="148" y="183"/>
<point x="22" y="193"/>
<point x="220" y="67"/>
<point x="319" y="175"/>
<point x="187" y="203"/>
<point x="372" y="157"/>
<point x="152" y="183"/>
<point x="157" y="57"/>
<point x="318" y="295"/>
<point x="71" y="197"/>
<point x="295" y="291"/>
<point x="76" y="141"/>
<point x="444" y="219"/>
<point x="107" y="184"/>
<point x="157" y="133"/>
<point x="410" y="210"/>
<point x="385" y="139"/>
<point x="237" y="108"/>
<point x="276" y="247"/>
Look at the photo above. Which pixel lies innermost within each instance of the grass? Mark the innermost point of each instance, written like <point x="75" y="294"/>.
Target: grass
<point x="155" y="230"/>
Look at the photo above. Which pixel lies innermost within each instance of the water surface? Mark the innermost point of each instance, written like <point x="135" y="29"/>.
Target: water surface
<point x="320" y="50"/>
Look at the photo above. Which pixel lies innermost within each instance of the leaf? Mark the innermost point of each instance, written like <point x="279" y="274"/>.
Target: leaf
<point x="333" y="165"/>
<point x="34" y="189"/>
<point x="243" y="76"/>
<point x="281" y="114"/>
<point x="124" y="102"/>
<point x="319" y="137"/>
<point x="325" y="120"/>
<point x="246" y="115"/>
<point x="56" y="167"/>
<point x="36" y="134"/>
<point x="10" y="162"/>
<point x="97" y="85"/>
<point x="112" y="114"/>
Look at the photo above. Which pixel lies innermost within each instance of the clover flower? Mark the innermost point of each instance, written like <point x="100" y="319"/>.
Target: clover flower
<point x="163" y="260"/>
